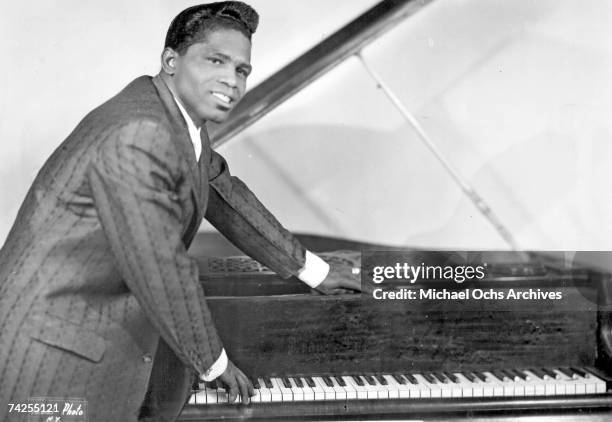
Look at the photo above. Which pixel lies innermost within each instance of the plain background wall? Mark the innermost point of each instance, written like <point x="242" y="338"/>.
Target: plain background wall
<point x="516" y="94"/>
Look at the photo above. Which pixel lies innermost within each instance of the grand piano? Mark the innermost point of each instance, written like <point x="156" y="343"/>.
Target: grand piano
<point x="349" y="357"/>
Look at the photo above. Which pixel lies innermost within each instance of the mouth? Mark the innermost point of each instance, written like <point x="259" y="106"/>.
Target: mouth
<point x="223" y="99"/>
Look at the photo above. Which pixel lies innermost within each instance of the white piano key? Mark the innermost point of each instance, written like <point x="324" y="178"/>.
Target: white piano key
<point x="456" y="388"/>
<point x="351" y="392"/>
<point x="593" y="384"/>
<point x="308" y="393"/>
<point x="540" y="385"/>
<point x="338" y="390"/>
<point x="298" y="393"/>
<point x="192" y="399"/>
<point x="256" y="398"/>
<point x="319" y="393"/>
<point x="372" y="391"/>
<point x="498" y="387"/>
<point x="382" y="392"/>
<point x="265" y="395"/>
<point x="395" y="388"/>
<point x="569" y="382"/>
<point x="507" y="384"/>
<point x="418" y="390"/>
<point x="286" y="393"/>
<point x="519" y="385"/>
<point x="434" y="389"/>
<point x="328" y="392"/>
<point x="221" y="393"/>
<point x="467" y="386"/>
<point x="446" y="388"/>
<point x="361" y="391"/>
<point x="488" y="386"/>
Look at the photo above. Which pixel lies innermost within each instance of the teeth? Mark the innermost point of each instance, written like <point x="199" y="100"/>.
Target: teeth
<point x="222" y="97"/>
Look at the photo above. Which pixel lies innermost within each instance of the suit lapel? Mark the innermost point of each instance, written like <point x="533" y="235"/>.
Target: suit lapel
<point x="203" y="162"/>
<point x="183" y="142"/>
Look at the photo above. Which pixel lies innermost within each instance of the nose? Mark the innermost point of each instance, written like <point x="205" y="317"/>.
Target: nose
<point x="229" y="79"/>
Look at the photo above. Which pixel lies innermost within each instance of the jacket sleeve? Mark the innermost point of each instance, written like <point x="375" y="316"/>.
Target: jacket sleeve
<point x="134" y="179"/>
<point x="235" y="211"/>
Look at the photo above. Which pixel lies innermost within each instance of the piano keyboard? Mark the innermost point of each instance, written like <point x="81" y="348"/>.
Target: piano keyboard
<point x="497" y="383"/>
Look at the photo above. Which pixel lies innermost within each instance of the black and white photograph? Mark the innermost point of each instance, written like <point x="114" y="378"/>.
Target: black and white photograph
<point x="348" y="210"/>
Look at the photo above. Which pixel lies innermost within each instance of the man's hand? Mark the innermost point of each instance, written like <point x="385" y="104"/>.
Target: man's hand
<point x="344" y="274"/>
<point x="235" y="382"/>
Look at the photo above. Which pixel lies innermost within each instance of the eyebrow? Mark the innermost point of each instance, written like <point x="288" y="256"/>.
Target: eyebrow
<point x="228" y="58"/>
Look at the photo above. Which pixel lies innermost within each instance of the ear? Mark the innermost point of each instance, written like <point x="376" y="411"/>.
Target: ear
<point x="168" y="60"/>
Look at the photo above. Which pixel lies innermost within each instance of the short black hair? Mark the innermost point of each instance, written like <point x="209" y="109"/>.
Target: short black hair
<point x="194" y="23"/>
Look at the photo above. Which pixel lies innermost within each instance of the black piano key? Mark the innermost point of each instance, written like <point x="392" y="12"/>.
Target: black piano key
<point x="430" y="378"/>
<point x="538" y="373"/>
<point x="358" y="380"/>
<point x="268" y="382"/>
<point x="452" y="377"/>
<point x="441" y="377"/>
<point x="522" y="372"/>
<point x="340" y="381"/>
<point x="470" y="376"/>
<point x="298" y="382"/>
<point x="550" y="373"/>
<point x="310" y="382"/>
<point x="579" y="372"/>
<point x="286" y="382"/>
<point x="255" y="383"/>
<point x="567" y="372"/>
<point x="509" y="374"/>
<point x="411" y="379"/>
<point x="399" y="378"/>
<point x="327" y="380"/>
<point x="499" y="375"/>
<point x="381" y="380"/>
<point x="518" y="374"/>
<point x="369" y="379"/>
<point x="482" y="376"/>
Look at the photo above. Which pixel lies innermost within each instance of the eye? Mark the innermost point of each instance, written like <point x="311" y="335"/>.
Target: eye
<point x="243" y="72"/>
<point x="215" y="60"/>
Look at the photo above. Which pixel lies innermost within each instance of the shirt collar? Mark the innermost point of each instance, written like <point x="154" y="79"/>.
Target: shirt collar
<point x="194" y="131"/>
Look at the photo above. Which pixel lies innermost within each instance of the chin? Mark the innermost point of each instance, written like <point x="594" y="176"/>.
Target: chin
<point x="217" y="118"/>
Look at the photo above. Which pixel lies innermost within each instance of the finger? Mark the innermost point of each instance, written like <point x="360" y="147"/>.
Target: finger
<point x="243" y="385"/>
<point x="249" y="384"/>
<point x="232" y="390"/>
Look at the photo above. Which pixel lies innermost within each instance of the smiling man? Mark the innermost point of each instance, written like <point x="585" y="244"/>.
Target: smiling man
<point x="98" y="298"/>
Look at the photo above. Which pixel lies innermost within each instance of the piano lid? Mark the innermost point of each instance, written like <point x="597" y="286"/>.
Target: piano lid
<point x="324" y="56"/>
<point x="337" y="159"/>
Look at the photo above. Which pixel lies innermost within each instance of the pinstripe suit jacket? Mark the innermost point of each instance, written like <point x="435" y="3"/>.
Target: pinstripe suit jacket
<point x="95" y="267"/>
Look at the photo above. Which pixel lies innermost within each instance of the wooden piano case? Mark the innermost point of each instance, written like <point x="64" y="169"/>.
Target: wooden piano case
<point x="274" y="327"/>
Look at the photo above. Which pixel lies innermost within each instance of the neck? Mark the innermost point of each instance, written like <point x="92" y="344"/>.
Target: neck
<point x="169" y="81"/>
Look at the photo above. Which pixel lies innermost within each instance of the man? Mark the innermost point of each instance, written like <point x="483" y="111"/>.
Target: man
<point x="98" y="297"/>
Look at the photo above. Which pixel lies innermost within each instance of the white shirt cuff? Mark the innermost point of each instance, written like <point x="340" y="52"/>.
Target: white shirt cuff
<point x="217" y="368"/>
<point x="314" y="271"/>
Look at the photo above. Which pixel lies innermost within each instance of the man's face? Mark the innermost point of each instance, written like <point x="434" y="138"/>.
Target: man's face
<point x="210" y="77"/>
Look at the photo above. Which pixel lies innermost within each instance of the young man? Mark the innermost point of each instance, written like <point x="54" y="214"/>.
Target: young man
<point x="98" y="297"/>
